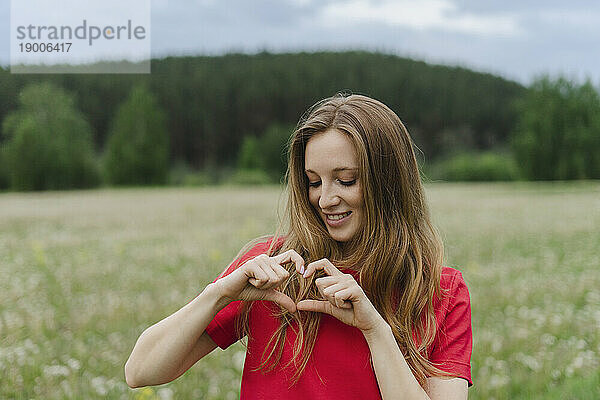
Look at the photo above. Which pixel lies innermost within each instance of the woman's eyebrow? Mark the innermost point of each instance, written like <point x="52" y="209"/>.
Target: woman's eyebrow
<point x="335" y="169"/>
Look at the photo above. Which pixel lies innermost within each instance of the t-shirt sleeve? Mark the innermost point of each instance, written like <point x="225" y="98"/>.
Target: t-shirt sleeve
<point x="223" y="329"/>
<point x="454" y="341"/>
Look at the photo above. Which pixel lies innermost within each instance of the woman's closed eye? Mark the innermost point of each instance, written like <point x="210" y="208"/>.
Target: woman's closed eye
<point x="345" y="183"/>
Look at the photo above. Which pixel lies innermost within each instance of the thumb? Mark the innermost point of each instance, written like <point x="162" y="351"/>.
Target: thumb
<point x="315" y="305"/>
<point x="281" y="299"/>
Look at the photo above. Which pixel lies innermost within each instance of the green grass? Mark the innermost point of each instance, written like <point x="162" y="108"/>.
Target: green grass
<point x="84" y="273"/>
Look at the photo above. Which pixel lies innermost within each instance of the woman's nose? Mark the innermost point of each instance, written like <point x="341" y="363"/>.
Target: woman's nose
<point x="329" y="197"/>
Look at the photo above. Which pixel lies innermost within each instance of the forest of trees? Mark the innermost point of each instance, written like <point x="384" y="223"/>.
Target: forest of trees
<point x="209" y="113"/>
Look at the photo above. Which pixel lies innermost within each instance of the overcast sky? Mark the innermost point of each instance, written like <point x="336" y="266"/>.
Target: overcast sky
<point x="515" y="39"/>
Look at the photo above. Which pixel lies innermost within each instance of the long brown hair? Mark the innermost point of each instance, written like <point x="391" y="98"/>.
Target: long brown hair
<point x="398" y="252"/>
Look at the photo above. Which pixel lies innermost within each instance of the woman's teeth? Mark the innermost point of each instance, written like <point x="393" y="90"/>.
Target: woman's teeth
<point x="338" y="216"/>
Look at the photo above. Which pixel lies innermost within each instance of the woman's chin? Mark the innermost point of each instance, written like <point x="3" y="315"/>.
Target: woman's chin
<point x="340" y="238"/>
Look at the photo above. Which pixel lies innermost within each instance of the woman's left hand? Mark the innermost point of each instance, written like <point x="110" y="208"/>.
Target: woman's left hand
<point x="344" y="298"/>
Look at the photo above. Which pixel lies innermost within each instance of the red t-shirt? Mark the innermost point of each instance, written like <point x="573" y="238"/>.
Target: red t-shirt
<point x="340" y="365"/>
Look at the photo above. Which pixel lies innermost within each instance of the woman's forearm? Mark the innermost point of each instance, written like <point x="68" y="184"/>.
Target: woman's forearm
<point x="394" y="377"/>
<point x="161" y="349"/>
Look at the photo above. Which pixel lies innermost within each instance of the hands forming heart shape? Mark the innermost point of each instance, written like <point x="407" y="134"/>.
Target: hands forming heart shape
<point x="344" y="299"/>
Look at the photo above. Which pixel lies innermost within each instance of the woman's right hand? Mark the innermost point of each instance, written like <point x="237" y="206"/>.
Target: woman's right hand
<point x="259" y="278"/>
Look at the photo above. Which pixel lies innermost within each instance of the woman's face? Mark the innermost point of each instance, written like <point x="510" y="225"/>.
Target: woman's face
<point x="334" y="189"/>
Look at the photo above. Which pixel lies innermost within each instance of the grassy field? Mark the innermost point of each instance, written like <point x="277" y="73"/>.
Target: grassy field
<point x="82" y="274"/>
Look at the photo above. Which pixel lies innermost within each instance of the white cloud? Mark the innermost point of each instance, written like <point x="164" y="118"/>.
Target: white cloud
<point x="419" y="15"/>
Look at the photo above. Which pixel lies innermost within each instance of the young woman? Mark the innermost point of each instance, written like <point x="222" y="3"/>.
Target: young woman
<point x="352" y="302"/>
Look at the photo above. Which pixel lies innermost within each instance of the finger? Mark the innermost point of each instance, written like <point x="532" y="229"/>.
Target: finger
<point x="256" y="276"/>
<point x="331" y="293"/>
<point x="323" y="264"/>
<point x="291" y="255"/>
<point x="343" y="298"/>
<point x="327" y="281"/>
<point x="273" y="278"/>
<point x="281" y="299"/>
<point x="316" y="306"/>
<point x="281" y="272"/>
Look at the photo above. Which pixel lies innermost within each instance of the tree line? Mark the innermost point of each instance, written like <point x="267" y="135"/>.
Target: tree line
<point x="213" y="113"/>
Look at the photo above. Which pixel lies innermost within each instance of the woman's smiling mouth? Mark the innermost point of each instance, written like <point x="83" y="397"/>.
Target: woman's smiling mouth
<point x="337" y="219"/>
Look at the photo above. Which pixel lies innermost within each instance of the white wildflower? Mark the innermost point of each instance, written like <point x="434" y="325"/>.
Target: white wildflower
<point x="99" y="385"/>
<point x="528" y="361"/>
<point x="498" y="380"/>
<point x="56" y="370"/>
<point x="548" y="339"/>
<point x="165" y="393"/>
<point x="73" y="364"/>
<point x="569" y="371"/>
